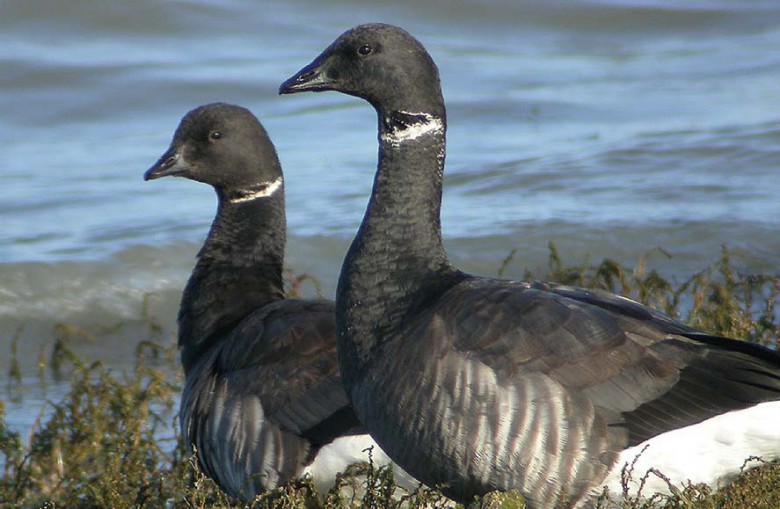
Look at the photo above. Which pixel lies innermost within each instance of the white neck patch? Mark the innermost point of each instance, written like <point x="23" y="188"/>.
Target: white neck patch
<point x="429" y="125"/>
<point x="266" y="189"/>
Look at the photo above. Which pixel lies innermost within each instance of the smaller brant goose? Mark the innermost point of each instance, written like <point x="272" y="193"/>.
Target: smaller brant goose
<point x="263" y="402"/>
<point x="481" y="384"/>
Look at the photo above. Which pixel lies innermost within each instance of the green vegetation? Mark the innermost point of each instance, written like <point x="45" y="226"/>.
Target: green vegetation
<point x="101" y="445"/>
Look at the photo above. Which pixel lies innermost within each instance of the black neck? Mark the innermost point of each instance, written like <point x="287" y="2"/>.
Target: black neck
<point x="239" y="269"/>
<point x="397" y="261"/>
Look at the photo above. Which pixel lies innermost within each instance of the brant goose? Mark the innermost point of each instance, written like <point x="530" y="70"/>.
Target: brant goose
<point x="263" y="401"/>
<point x="481" y="384"/>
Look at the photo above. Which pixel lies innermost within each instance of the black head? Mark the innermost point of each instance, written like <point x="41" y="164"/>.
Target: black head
<point x="382" y="64"/>
<point x="224" y="146"/>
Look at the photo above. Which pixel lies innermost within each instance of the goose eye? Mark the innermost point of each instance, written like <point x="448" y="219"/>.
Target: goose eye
<point x="215" y="135"/>
<point x="365" y="50"/>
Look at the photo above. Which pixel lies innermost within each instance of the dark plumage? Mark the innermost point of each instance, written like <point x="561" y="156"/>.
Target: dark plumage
<point x="482" y="384"/>
<point x="262" y="397"/>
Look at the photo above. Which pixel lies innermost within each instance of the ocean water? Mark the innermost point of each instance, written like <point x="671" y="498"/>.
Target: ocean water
<point x="611" y="127"/>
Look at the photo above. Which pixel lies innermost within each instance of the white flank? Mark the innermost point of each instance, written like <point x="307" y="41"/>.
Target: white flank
<point x="712" y="452"/>
<point x="265" y="191"/>
<point x="344" y="451"/>
<point x="430" y="125"/>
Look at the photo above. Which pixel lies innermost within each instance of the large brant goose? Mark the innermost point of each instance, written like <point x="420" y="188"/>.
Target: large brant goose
<point x="263" y="401"/>
<point x="480" y="384"/>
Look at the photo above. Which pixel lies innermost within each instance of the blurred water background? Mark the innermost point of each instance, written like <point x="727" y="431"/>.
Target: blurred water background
<point x="611" y="127"/>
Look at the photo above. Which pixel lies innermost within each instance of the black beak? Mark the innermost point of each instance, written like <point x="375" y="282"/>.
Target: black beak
<point x="171" y="163"/>
<point x="312" y="78"/>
